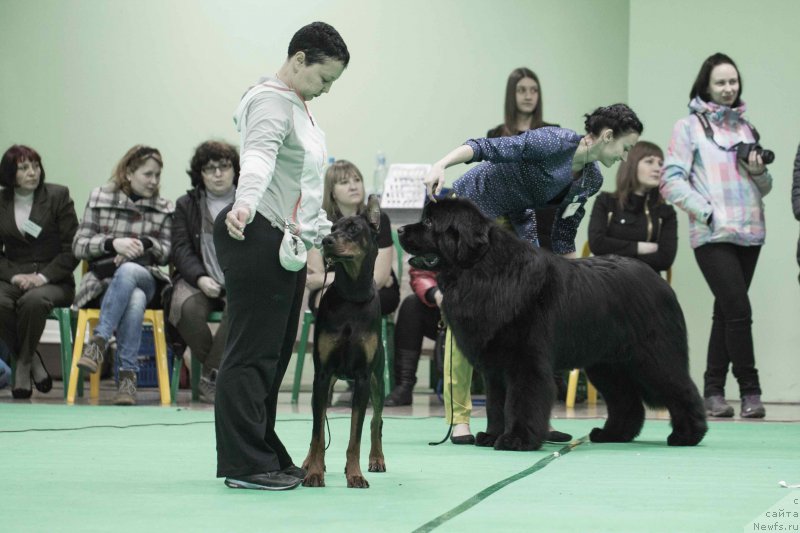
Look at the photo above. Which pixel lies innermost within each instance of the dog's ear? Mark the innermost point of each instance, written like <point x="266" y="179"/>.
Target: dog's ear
<point x="463" y="237"/>
<point x="373" y="212"/>
<point x="473" y="240"/>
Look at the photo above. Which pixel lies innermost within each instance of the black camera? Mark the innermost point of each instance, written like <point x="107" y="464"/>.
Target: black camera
<point x="743" y="152"/>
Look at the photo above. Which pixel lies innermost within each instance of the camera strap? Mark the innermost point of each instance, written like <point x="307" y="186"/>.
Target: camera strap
<point x="710" y="132"/>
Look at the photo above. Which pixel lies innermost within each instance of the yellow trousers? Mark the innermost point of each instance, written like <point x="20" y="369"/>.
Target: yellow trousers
<point x="461" y="375"/>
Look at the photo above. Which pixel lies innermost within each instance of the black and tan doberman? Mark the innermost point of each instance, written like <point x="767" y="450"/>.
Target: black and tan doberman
<point x="347" y="344"/>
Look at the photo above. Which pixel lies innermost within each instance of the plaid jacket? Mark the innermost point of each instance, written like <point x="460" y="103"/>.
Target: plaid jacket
<point x="703" y="180"/>
<point x="110" y="214"/>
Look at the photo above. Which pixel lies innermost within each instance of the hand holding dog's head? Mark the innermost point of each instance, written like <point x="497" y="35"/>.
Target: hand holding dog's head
<point x="452" y="233"/>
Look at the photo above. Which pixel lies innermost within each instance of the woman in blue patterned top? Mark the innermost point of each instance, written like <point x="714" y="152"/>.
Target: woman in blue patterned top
<point x="547" y="166"/>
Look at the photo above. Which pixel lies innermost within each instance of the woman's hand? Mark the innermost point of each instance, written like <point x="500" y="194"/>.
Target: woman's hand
<point x="235" y="221"/>
<point x="755" y="165"/>
<point x="209" y="286"/>
<point x="27" y="282"/>
<point x="128" y="247"/>
<point x="434" y="181"/>
<point x="644" y="248"/>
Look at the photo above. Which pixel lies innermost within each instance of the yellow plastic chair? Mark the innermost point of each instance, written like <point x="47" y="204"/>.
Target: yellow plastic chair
<point x="387" y="335"/>
<point x="89" y="318"/>
<point x="572" y="384"/>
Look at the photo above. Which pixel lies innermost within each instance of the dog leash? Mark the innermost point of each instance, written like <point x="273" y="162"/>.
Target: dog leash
<point x="450" y="428"/>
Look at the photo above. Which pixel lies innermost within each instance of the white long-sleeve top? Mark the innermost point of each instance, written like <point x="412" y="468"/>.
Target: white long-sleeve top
<point x="282" y="157"/>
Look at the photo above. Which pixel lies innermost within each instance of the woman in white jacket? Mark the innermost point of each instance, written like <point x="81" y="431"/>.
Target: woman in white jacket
<point x="280" y="186"/>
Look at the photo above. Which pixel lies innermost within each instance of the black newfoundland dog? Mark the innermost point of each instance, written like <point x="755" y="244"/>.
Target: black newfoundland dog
<point x="518" y="313"/>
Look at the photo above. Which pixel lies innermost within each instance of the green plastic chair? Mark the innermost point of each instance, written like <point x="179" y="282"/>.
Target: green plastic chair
<point x="215" y="317"/>
<point x="387" y="335"/>
<point x="65" y="330"/>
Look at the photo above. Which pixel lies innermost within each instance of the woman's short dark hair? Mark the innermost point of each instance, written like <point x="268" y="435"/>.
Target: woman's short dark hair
<point x="212" y="151"/>
<point x="319" y="41"/>
<point x="8" y="165"/>
<point x="510" y="124"/>
<point x="700" y="87"/>
<point x="628" y="171"/>
<point x="619" y="118"/>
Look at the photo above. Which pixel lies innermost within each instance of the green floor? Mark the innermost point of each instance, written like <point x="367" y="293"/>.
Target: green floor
<point x="152" y="469"/>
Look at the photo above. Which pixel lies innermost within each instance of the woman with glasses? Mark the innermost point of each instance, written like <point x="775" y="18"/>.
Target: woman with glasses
<point x="125" y="236"/>
<point x="198" y="284"/>
<point x="37" y="224"/>
<point x="722" y="193"/>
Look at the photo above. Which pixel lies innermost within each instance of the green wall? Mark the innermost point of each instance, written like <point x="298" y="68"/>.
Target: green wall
<point x="83" y="80"/>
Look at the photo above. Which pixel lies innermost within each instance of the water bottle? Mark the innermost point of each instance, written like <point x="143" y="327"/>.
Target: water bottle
<point x="379" y="176"/>
<point x="326" y="166"/>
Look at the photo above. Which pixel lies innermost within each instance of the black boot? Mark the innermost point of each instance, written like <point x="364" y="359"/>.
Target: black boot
<point x="405" y="366"/>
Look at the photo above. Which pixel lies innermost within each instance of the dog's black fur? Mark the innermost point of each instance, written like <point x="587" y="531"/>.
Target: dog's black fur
<point x="347" y="344"/>
<point x="518" y="312"/>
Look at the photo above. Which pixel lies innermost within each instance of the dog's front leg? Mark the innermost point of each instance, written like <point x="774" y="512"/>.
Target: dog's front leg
<point x="352" y="469"/>
<point x="529" y="399"/>
<point x="376" y="460"/>
<point x="315" y="461"/>
<point x="495" y="403"/>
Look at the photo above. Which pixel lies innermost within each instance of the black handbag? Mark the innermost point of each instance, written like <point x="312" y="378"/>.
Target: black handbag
<point x="104" y="267"/>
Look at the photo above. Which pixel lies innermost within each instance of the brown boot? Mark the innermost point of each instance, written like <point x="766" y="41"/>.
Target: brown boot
<point x="126" y="393"/>
<point x="92" y="355"/>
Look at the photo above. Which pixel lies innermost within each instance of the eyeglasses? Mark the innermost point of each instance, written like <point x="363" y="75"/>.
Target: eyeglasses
<point x="212" y="169"/>
<point x="25" y="167"/>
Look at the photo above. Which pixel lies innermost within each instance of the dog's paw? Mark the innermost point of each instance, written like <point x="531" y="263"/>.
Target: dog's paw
<point x="600" y="435"/>
<point x="314" y="479"/>
<point x="514" y="442"/>
<point x="357" y="482"/>
<point x="377" y="464"/>
<point x="485" y="439"/>
<point x="678" y="439"/>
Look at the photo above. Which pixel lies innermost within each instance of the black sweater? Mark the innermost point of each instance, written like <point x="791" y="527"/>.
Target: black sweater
<point x="615" y="231"/>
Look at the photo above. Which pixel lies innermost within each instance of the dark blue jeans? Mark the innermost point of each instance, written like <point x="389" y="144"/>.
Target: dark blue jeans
<point x="122" y="311"/>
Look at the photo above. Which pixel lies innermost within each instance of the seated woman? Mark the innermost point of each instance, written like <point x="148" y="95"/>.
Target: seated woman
<point x="418" y="317"/>
<point x="344" y="195"/>
<point x="198" y="282"/>
<point x="37" y="224"/>
<point x="125" y="236"/>
<point x="634" y="220"/>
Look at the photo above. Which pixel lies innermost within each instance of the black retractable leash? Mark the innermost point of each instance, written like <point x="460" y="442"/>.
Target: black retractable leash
<point x="322" y="292"/>
<point x="450" y="428"/>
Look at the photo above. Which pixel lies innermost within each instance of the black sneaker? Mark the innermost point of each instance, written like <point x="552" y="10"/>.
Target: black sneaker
<point x="716" y="406"/>
<point x="558" y="437"/>
<point x="294" y="471"/>
<point x="752" y="406"/>
<point x="268" y="481"/>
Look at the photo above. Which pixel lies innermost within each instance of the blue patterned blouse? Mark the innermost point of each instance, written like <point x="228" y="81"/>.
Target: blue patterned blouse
<point x="529" y="171"/>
